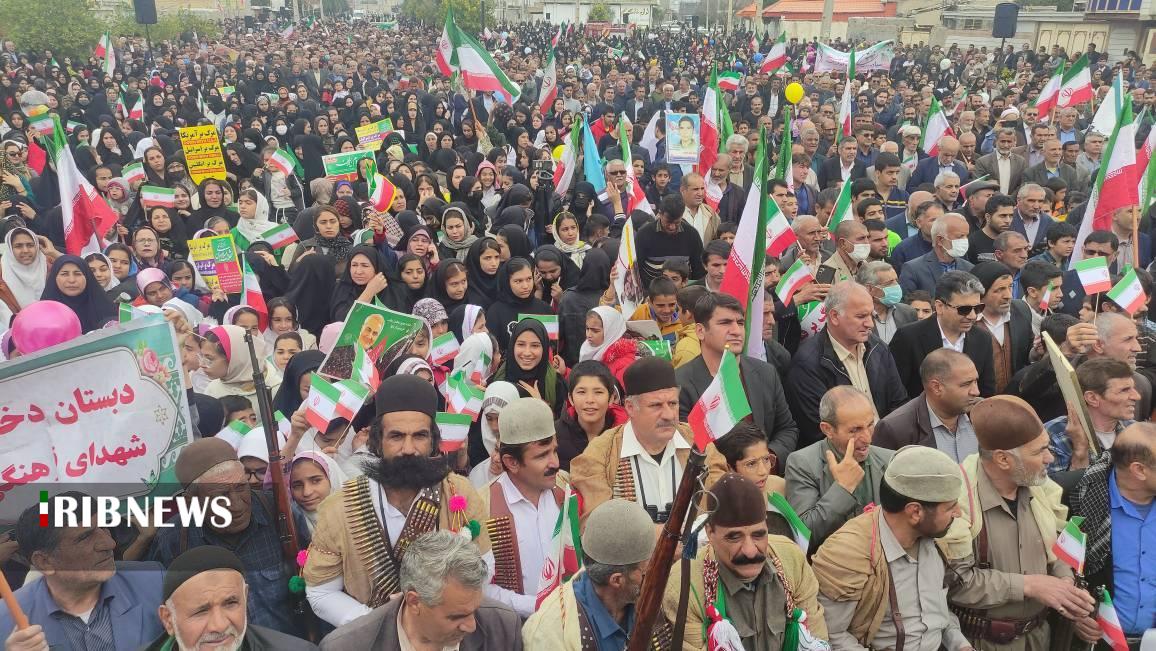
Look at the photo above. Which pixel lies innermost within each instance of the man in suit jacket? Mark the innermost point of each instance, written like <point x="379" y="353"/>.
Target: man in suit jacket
<point x="1003" y="165"/>
<point x="953" y="326"/>
<point x="882" y="282"/>
<point x="1029" y="219"/>
<point x="1009" y="322"/>
<point x="938" y="417"/>
<point x="945" y="160"/>
<point x="428" y="599"/>
<point x="948" y="246"/>
<point x="843" y="167"/>
<point x="832" y="480"/>
<point x="1052" y="167"/>
<point x="637" y="108"/>
<point x="126" y="594"/>
<point x="718" y="324"/>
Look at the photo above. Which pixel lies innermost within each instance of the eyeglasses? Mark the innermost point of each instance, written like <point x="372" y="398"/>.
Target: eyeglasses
<point x="616" y="172"/>
<point x="964" y="310"/>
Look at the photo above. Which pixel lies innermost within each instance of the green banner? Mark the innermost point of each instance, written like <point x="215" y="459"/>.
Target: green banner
<point x="384" y="334"/>
<point x="344" y="165"/>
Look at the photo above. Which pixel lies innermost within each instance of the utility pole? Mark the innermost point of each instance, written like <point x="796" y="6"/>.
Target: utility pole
<point x="730" y="15"/>
<point x="825" y="26"/>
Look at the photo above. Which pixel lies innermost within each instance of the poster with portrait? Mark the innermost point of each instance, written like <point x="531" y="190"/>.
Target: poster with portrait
<point x="383" y="333"/>
<point x="682" y="139"/>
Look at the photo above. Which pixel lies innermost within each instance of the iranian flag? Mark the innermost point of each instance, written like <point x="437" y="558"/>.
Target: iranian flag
<point x="779" y="234"/>
<point x="478" y="70"/>
<point x="565" y="168"/>
<point x="936" y="128"/>
<point x="152" y="195"/>
<point x="554" y="41"/>
<point x="1146" y="169"/>
<point x="550" y="321"/>
<point x="364" y="370"/>
<point x="102" y="46"/>
<point x="777" y="57"/>
<point x="85" y="215"/>
<point x="743" y="278"/>
<point x="843" y="209"/>
<point x="134" y="173"/>
<point x="321" y="403"/>
<point x="381" y="192"/>
<point x="43" y="124"/>
<point x="445" y="52"/>
<point x="776" y="503"/>
<point x="137" y="110"/>
<point x="798" y="275"/>
<point x="1071" y="544"/>
<point x="1116" y="185"/>
<point x="234" y="432"/>
<point x="708" y="131"/>
<point x="1046" y="298"/>
<point x="285" y="162"/>
<point x="565" y="556"/>
<point x="721" y="406"/>
<point x="1046" y="100"/>
<point x="1108" y="113"/>
<point x="444" y="349"/>
<point x="251" y="295"/>
<point x="754" y="43"/>
<point x="1076" y="88"/>
<point x="1128" y="293"/>
<point x="454" y="430"/>
<point x="280" y="236"/>
<point x="783" y="160"/>
<point x="845" y="103"/>
<point x="109" y="61"/>
<point x="729" y="80"/>
<point x="464" y="397"/>
<point x="627" y="264"/>
<point x="635" y="195"/>
<point x="353" y="397"/>
<point x="1109" y="624"/>
<point x="1094" y="275"/>
<point x="549" y="89"/>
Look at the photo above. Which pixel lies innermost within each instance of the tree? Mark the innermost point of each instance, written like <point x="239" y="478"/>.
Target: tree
<point x="599" y="13"/>
<point x="169" y="27"/>
<point x="66" y="27"/>
<point x="467" y="13"/>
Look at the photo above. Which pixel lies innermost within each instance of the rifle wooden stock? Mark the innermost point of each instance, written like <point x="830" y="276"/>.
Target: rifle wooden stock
<point x="654" y="585"/>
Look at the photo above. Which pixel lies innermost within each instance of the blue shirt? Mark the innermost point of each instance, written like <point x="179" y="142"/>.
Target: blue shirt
<point x="609" y="633"/>
<point x="1061" y="444"/>
<point x="1133" y="569"/>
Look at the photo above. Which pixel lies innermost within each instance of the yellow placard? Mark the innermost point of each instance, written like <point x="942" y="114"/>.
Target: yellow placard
<point x="202" y="150"/>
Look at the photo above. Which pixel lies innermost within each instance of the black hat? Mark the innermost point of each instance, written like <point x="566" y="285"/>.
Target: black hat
<point x="191" y="563"/>
<point x="649" y="374"/>
<point x="989" y="272"/>
<point x="405" y="393"/>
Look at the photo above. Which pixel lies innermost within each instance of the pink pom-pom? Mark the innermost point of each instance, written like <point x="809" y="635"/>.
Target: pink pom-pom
<point x="302" y="556"/>
<point x="457" y="504"/>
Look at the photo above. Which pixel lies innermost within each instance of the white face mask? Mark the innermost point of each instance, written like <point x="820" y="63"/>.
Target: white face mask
<point x="281" y="129"/>
<point x="251" y="146"/>
<point x="861" y="252"/>
<point x="958" y="248"/>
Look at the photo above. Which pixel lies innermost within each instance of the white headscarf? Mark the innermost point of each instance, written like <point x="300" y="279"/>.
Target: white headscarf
<point x="252" y="229"/>
<point x="112" y="281"/>
<point x="498" y="395"/>
<point x="331" y="469"/>
<point x="476" y="352"/>
<point x="26" y="281"/>
<point x="613" y="328"/>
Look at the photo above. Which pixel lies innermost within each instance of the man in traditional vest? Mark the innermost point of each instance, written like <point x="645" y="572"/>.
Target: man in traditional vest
<point x="524" y="501"/>
<point x="407" y="490"/>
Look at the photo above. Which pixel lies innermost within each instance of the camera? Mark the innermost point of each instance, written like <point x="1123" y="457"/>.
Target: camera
<point x="543" y="169"/>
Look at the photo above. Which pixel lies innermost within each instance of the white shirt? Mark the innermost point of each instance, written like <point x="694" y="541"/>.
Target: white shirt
<point x="957" y="346"/>
<point x="996" y="327"/>
<point x="533" y="526"/>
<point x="699" y="219"/>
<point x="845" y="171"/>
<point x="1031" y="227"/>
<point x="1004" y="163"/>
<point x="655" y="483"/>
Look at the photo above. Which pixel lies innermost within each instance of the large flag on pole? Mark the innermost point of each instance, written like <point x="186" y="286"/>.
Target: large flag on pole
<point x="845" y="103"/>
<point x="1116" y="185"/>
<point x="565" y="554"/>
<point x="783" y="161"/>
<point x="564" y="170"/>
<point x="549" y="88"/>
<point x="936" y="128"/>
<point x="1046" y="100"/>
<point x="102" y="46"/>
<point x="1076" y="87"/>
<point x="445" y="52"/>
<point x="635" y="198"/>
<point x="721" y="406"/>
<point x="1104" y="122"/>
<point x="743" y="278"/>
<point x="708" y="132"/>
<point x="1146" y="170"/>
<point x="85" y="214"/>
<point x="478" y="69"/>
<point x="777" y="57"/>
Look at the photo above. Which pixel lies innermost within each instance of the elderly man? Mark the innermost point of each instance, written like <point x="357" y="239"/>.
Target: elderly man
<point x="834" y="479"/>
<point x="209" y="468"/>
<point x="697" y="213"/>
<point x="642" y="459"/>
<point x="948" y="248"/>
<point x="811" y="238"/>
<point x="1115" y="498"/>
<point x="1000" y="548"/>
<point x="938" y="417"/>
<point x="957" y="308"/>
<point x="1118" y="338"/>
<point x="720" y="326"/>
<point x="846" y="352"/>
<point x="852" y="249"/>
<point x="441" y="606"/>
<point x="944" y="161"/>
<point x="367" y="527"/>
<point x="947" y="191"/>
<point x="1003" y="165"/>
<point x="920" y="244"/>
<point x="205" y="592"/>
<point x="841" y="168"/>
<point x="874" y="573"/>
<point x="741" y="173"/>
<point x="84" y="601"/>
<point x="1052" y="167"/>
<point x="1028" y="219"/>
<point x="891" y="313"/>
<point x="729" y="196"/>
<point x="906" y="224"/>
<point x="616" y="547"/>
<point x="1110" y="396"/>
<point x="1009" y="322"/>
<point x="760" y="579"/>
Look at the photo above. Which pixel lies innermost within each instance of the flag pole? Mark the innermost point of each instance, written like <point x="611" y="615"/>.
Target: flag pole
<point x="18" y="616"/>
<point x="1136" y="237"/>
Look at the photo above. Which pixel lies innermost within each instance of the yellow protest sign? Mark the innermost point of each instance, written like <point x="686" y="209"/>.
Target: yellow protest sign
<point x="203" y="153"/>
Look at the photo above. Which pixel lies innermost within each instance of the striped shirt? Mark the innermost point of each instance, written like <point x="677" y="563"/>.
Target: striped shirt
<point x="93" y="635"/>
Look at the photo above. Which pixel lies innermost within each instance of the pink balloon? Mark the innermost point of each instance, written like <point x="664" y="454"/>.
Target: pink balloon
<point x="44" y="324"/>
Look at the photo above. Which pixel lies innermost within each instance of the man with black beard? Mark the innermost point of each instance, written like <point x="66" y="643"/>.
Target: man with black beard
<point x="407" y="490"/>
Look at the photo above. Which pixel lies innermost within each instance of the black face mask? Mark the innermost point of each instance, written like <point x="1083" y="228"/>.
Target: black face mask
<point x="581" y="202"/>
<point x="476" y="195"/>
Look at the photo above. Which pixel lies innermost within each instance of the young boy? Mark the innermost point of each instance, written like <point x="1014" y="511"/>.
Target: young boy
<point x="688" y="346"/>
<point x="1035" y="279"/>
<point x="1061" y="237"/>
<point x="677" y="270"/>
<point x="921" y="302"/>
<point x="661" y="306"/>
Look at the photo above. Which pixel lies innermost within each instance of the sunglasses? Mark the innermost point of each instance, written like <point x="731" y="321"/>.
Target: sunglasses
<point x="964" y="310"/>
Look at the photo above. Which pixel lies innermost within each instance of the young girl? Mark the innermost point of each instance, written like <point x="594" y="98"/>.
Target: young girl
<point x="253" y="210"/>
<point x="566" y="237"/>
<point x="101" y="268"/>
<point x="284" y="347"/>
<point x="457" y="234"/>
<point x="283" y="320"/>
<point x="227" y="363"/>
<point x="312" y="477"/>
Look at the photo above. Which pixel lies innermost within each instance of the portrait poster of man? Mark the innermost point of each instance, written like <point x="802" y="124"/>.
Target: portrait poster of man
<point x="384" y="334"/>
<point x="682" y="137"/>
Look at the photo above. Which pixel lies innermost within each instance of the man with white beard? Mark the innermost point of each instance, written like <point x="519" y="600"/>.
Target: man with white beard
<point x="204" y="608"/>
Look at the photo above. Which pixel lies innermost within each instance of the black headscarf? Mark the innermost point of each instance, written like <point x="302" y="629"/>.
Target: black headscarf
<point x="347" y="291"/>
<point x="516" y="239"/>
<point x="595" y="275"/>
<point x="437" y="285"/>
<point x="311" y="282"/>
<point x="288" y="398"/>
<point x="483" y="287"/>
<point x="506" y="309"/>
<point x="551" y="253"/>
<point x="93" y="306"/>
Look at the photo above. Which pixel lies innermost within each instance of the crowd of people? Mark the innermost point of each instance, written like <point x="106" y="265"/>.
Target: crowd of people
<point x="909" y="462"/>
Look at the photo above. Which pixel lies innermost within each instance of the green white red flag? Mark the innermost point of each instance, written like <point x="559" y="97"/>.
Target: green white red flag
<point x="251" y="295"/>
<point x="321" y="403"/>
<point x="777" y="57"/>
<point x="1129" y="293"/>
<point x="352" y="399"/>
<point x="1071" y="544"/>
<point x="445" y="51"/>
<point x="464" y="397"/>
<point x="381" y="191"/>
<point x="798" y="275"/>
<point x="1146" y="170"/>
<point x="565" y="556"/>
<point x="280" y="236"/>
<point x="478" y="70"/>
<point x="85" y="215"/>
<point x="1116" y="186"/>
<point x="284" y="162"/>
<point x="776" y="503"/>
<point x="549" y="321"/>
<point x="549" y="88"/>
<point x="566" y="166"/>
<point x="454" y="430"/>
<point x="152" y="195"/>
<point x="634" y="197"/>
<point x="729" y="80"/>
<point x="721" y="406"/>
<point x="936" y="128"/>
<point x="364" y="370"/>
<point x="1076" y="87"/>
<point x="134" y="172"/>
<point x="444" y="349"/>
<point x="102" y="46"/>
<point x="843" y="209"/>
<point x="846" y="102"/>
<point x="1094" y="275"/>
<point x="42" y="123"/>
<point x="1109" y="623"/>
<point x="708" y="131"/>
<point x="137" y="110"/>
<point x="1046" y="100"/>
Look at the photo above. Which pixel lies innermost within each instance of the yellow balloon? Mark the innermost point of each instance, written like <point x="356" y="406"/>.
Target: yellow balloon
<point x="557" y="153"/>
<point x="794" y="92"/>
